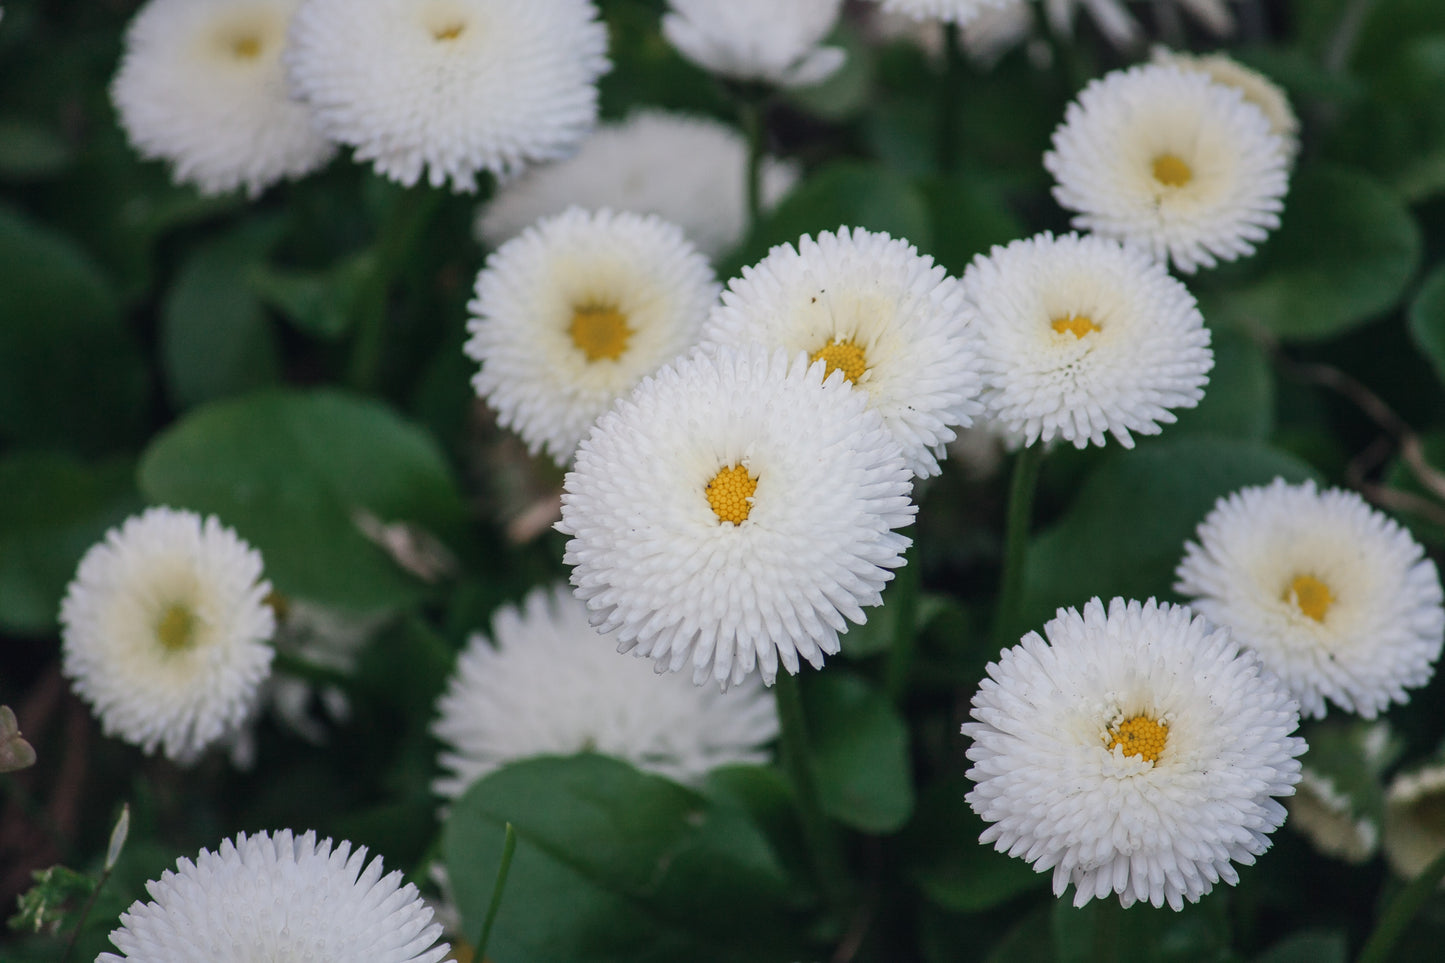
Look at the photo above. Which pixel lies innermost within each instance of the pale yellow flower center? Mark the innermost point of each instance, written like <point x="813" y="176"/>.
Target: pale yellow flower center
<point x="599" y="331"/>
<point x="1076" y="324"/>
<point x="1172" y="171"/>
<point x="448" y="31"/>
<point x="1140" y="736"/>
<point x="728" y="494"/>
<point x="176" y="629"/>
<point x="1310" y="595"/>
<point x="844" y="355"/>
<point x="246" y="46"/>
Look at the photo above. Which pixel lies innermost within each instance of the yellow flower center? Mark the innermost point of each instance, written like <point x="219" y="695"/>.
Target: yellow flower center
<point x="246" y="46"/>
<point x="1172" y="171"/>
<point x="599" y="331"/>
<point x="448" y="31"/>
<point x="177" y="628"/>
<point x="1140" y="736"/>
<point x="842" y="354"/>
<point x="1312" y="596"/>
<point x="1076" y="324"/>
<point x="728" y="494"/>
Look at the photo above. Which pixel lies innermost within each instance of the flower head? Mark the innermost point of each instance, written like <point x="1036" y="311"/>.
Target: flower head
<point x="633" y="165"/>
<point x="1172" y="161"/>
<point x="763" y="40"/>
<point x="201" y="86"/>
<point x="734" y="511"/>
<point x="276" y="896"/>
<point x="574" y="312"/>
<point x="871" y="306"/>
<point x="1338" y="600"/>
<point x="1136" y="752"/>
<point x="1331" y="820"/>
<point x="164" y="631"/>
<point x="1080" y="337"/>
<point x="548" y="683"/>
<point x="1414" y="828"/>
<point x="449" y="87"/>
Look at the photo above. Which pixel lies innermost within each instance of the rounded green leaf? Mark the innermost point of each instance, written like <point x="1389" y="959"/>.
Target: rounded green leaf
<point x="1426" y="320"/>
<point x="300" y="475"/>
<point x="859" y="747"/>
<point x="1239" y="399"/>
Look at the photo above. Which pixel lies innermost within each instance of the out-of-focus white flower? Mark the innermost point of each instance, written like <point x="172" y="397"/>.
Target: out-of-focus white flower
<point x="164" y="631"/>
<point x="276" y="896"/>
<point x="1081" y="337"/>
<point x="1256" y="87"/>
<point x="449" y="87"/>
<point x="1328" y="817"/>
<point x="572" y="313"/>
<point x="736" y="510"/>
<point x="1338" y="600"/>
<point x="773" y="41"/>
<point x="201" y="86"/>
<point x="688" y="170"/>
<point x="871" y="306"/>
<point x="1414" y="830"/>
<point x="546" y="683"/>
<point x="1172" y="161"/>
<point x="947" y="11"/>
<point x="1136" y="752"/>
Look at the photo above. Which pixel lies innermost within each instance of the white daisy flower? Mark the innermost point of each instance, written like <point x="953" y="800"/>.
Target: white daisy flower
<point x="1414" y="828"/>
<point x="276" y="896"/>
<point x="634" y="166"/>
<point x="201" y="86"/>
<point x="164" y="631"/>
<point x="1082" y="336"/>
<point x="871" y="306"/>
<point x="571" y="314"/>
<point x="1170" y="160"/>
<point x="547" y="683"/>
<point x="1338" y="600"/>
<point x="1135" y="752"/>
<point x="452" y="87"/>
<point x="1255" y="86"/>
<point x="947" y="11"/>
<point x="735" y="511"/>
<point x="1330" y="820"/>
<point x="773" y="41"/>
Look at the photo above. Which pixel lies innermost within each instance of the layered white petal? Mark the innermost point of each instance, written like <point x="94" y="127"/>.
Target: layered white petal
<point x="774" y="41"/>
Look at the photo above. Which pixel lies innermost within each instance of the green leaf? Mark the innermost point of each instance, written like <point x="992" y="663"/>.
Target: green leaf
<point x="70" y="373"/>
<point x="296" y="473"/>
<point x="968" y="220"/>
<point x="1391" y="25"/>
<point x="1426" y="320"/>
<point x="320" y="303"/>
<point x="29" y="151"/>
<point x="53" y="507"/>
<point x="1199" y="933"/>
<point x="615" y="865"/>
<point x="1312" y="946"/>
<point x="1239" y="399"/>
<point x="859" y="748"/>
<point x="1343" y="255"/>
<point x="1125" y="532"/>
<point x="216" y="337"/>
<point x="48" y="905"/>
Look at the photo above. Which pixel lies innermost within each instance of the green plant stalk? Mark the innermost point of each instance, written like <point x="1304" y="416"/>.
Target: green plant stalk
<point x="903" y="603"/>
<point x="948" y="98"/>
<point x="819" y="834"/>
<point x="1402" y="909"/>
<point x="1016" y="540"/>
<point x="752" y="110"/>
<point x="509" y="846"/>
<point x="1106" y="931"/>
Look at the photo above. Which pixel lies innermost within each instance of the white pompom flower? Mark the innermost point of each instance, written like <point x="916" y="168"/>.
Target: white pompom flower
<point x="960" y="12"/>
<point x="201" y="86"/>
<point x="1136" y="751"/>
<point x="449" y="88"/>
<point x="871" y="306"/>
<point x="278" y="896"/>
<point x="546" y="683"/>
<point x="165" y="629"/>
<point x="1338" y="600"/>
<point x="1172" y="161"/>
<point x="736" y="511"/>
<point x="771" y="41"/>
<point x="633" y="165"/>
<point x="572" y="313"/>
<point x="1083" y="337"/>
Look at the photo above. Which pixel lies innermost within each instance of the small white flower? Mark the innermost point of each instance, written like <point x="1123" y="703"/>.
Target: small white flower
<point x="201" y="86"/>
<point x="449" y="87"/>
<point x="1121" y="29"/>
<point x="1338" y="600"/>
<point x="1414" y="831"/>
<point x="1082" y="336"/>
<point x="1330" y="820"/>
<point x="774" y="41"/>
<point x="164" y="631"/>
<point x="547" y="683"/>
<point x="948" y="11"/>
<point x="871" y="306"/>
<point x="1256" y="87"/>
<point x="688" y="170"/>
<point x="574" y="312"/>
<point x="1135" y="752"/>
<point x="275" y="896"/>
<point x="733" y="512"/>
<point x="1170" y="160"/>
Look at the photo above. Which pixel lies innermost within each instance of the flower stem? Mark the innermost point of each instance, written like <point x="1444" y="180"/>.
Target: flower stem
<point x="752" y="110"/>
<point x="1106" y="931"/>
<point x="818" y="834"/>
<point x="1402" y="909"/>
<point x="903" y="606"/>
<point x="948" y="98"/>
<point x="509" y="846"/>
<point x="1016" y="538"/>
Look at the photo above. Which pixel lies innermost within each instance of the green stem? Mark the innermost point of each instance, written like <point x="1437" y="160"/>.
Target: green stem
<point x="1402" y="909"/>
<point x="818" y="834"/>
<point x="948" y="98"/>
<point x="903" y="603"/>
<point x="1342" y="42"/>
<point x="509" y="846"/>
<point x="1016" y="540"/>
<point x="1106" y="931"/>
<point x="753" y="110"/>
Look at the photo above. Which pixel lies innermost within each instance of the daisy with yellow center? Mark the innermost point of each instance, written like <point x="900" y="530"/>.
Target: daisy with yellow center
<point x="573" y="312"/>
<point x="1132" y="750"/>
<point x="1338" y="600"/>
